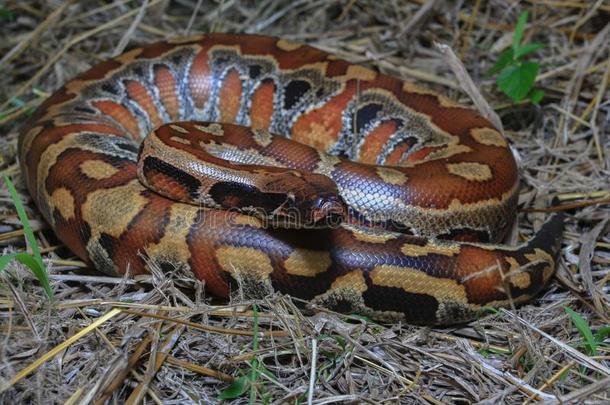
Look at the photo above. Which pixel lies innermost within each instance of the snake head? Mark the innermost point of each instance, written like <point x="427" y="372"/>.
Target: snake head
<point x="312" y="201"/>
<point x="324" y="210"/>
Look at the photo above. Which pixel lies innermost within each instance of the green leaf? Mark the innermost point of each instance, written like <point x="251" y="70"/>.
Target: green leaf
<point x="519" y="28"/>
<point x="38" y="269"/>
<point x="505" y="59"/>
<point x="235" y="390"/>
<point x="526" y="49"/>
<point x="6" y="14"/>
<point x="516" y="81"/>
<point x="602" y="333"/>
<point x="584" y="329"/>
<point x="536" y="96"/>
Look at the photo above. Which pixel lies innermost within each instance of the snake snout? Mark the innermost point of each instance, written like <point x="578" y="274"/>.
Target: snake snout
<point x="327" y="209"/>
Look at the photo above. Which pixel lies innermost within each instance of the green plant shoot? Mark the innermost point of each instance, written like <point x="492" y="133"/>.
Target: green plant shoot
<point x="591" y="341"/>
<point x="516" y="76"/>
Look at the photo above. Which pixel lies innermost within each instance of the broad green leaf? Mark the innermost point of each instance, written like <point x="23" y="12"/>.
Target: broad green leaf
<point x="536" y="96"/>
<point x="236" y="389"/>
<point x="584" y="329"/>
<point x="519" y="28"/>
<point x="505" y="59"/>
<point x="526" y="49"/>
<point x="516" y="81"/>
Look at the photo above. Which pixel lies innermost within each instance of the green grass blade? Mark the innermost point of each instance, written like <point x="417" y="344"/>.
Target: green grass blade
<point x="6" y="259"/>
<point x="27" y="229"/>
<point x="29" y="261"/>
<point x="23" y="258"/>
<point x="33" y="261"/>
<point x="584" y="329"/>
<point x="254" y="363"/>
<point x="241" y="384"/>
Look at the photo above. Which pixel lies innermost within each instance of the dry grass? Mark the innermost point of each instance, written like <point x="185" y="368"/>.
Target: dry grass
<point x="152" y="339"/>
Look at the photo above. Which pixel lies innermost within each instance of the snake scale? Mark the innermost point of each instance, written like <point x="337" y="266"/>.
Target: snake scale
<point x="427" y="186"/>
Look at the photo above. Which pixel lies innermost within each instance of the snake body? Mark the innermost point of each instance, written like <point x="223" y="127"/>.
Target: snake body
<point x="402" y="158"/>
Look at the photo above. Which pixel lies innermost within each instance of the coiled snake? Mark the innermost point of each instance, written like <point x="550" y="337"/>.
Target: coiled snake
<point x="400" y="158"/>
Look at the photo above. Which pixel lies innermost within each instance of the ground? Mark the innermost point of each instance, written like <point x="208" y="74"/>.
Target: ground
<point x="160" y="340"/>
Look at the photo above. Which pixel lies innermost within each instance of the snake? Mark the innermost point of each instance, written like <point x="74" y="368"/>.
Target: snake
<point x="258" y="165"/>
